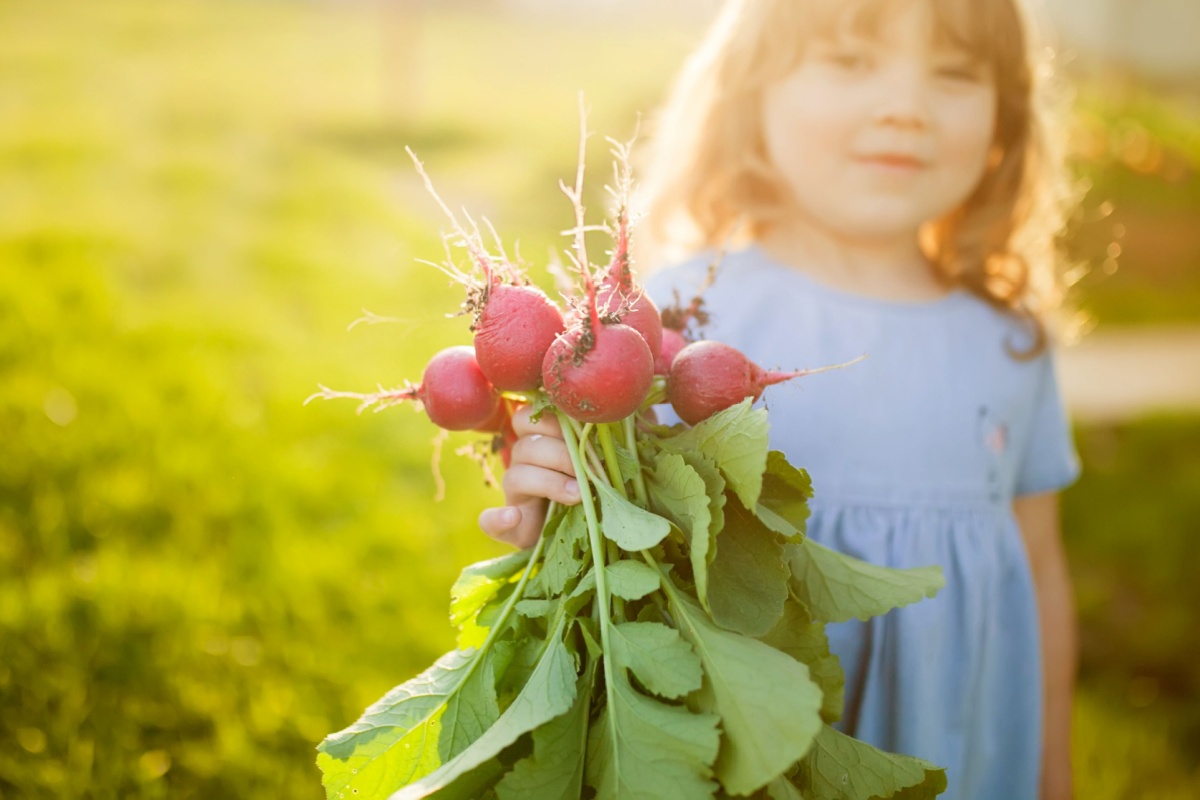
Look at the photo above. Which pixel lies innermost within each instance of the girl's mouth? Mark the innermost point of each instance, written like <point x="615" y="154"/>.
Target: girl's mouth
<point x="895" y="161"/>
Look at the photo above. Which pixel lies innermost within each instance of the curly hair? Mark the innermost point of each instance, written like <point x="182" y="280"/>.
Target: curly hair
<point x="709" y="181"/>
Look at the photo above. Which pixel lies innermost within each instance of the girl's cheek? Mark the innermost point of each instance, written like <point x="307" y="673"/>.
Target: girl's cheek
<point x="971" y="129"/>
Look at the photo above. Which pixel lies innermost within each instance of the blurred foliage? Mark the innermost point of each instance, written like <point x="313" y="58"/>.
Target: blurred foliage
<point x="1137" y="155"/>
<point x="199" y="576"/>
<point x="1130" y="527"/>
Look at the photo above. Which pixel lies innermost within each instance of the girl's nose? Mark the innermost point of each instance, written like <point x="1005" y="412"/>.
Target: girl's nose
<point x="903" y="99"/>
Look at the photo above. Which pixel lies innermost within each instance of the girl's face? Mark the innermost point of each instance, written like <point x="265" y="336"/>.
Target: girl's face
<point x="877" y="135"/>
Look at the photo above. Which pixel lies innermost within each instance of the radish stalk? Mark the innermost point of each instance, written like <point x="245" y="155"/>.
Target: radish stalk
<point x="593" y="526"/>
<point x="612" y="552"/>
<point x="639" y="483"/>
<point x="604" y="434"/>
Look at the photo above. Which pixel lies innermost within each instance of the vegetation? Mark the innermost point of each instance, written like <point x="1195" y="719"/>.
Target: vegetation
<point x="1129" y="526"/>
<point x="1138" y="158"/>
<point x="200" y="577"/>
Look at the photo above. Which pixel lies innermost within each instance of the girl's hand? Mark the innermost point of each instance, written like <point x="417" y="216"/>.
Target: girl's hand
<point x="541" y="469"/>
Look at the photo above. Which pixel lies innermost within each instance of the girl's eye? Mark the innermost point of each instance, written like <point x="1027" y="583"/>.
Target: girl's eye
<point x="849" y="60"/>
<point x="960" y="72"/>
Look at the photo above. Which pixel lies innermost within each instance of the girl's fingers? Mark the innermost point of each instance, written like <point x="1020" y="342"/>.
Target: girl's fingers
<point x="507" y="524"/>
<point x="496" y="522"/>
<point x="525" y="481"/>
<point x="541" y="450"/>
<point x="529" y="517"/>
<point x="541" y="469"/>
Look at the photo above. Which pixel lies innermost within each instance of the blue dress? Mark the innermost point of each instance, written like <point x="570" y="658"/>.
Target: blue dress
<point x="915" y="454"/>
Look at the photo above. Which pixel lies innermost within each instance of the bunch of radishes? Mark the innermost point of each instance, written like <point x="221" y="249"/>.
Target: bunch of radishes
<point x="597" y="360"/>
<point x="664" y="637"/>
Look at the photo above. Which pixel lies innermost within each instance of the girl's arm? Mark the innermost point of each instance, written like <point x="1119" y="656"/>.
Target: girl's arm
<point x="1037" y="516"/>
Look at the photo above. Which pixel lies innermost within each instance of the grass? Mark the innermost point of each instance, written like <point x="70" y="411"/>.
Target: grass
<point x="199" y="576"/>
<point x="1129" y="527"/>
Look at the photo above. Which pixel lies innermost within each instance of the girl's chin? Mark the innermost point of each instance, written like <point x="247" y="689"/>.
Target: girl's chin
<point x="880" y="226"/>
<point x="867" y="219"/>
<point x="864" y="217"/>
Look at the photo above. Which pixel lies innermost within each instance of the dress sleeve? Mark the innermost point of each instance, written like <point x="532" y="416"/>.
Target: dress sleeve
<point x="1049" y="461"/>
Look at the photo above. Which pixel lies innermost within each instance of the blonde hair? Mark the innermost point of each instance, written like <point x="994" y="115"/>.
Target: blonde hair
<point x="709" y="181"/>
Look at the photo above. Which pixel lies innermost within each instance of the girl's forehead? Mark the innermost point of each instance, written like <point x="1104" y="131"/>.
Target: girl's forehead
<point x="958" y="24"/>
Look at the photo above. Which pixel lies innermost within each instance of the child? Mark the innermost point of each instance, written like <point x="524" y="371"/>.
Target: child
<point x="887" y="162"/>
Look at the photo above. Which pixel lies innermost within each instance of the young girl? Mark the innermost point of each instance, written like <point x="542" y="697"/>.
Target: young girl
<point x="888" y="166"/>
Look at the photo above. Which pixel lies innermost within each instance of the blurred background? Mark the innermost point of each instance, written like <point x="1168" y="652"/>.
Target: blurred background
<point x="200" y="577"/>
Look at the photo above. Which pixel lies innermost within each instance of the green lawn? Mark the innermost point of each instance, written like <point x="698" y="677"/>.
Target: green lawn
<point x="1130" y="525"/>
<point x="199" y="576"/>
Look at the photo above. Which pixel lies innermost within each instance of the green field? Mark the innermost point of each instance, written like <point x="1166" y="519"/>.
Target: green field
<point x="199" y="576"/>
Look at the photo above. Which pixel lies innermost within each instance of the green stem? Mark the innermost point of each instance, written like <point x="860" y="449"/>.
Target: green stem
<point x="592" y="457"/>
<point x="575" y="449"/>
<point x="639" y="483"/>
<point x="498" y="626"/>
<point x="611" y="462"/>
<point x="613" y="466"/>
<point x="596" y="468"/>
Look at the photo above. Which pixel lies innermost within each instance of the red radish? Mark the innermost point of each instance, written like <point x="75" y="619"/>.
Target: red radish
<point x="596" y="372"/>
<point x="499" y="421"/>
<point x="618" y="294"/>
<point x="600" y="373"/>
<point x="672" y="342"/>
<point x="516" y="325"/>
<point x="634" y="308"/>
<point x="707" y="377"/>
<point x="514" y="322"/>
<point x="454" y="392"/>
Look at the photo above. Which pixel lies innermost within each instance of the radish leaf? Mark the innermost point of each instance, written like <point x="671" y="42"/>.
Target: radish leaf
<point x="783" y="789"/>
<point x="804" y="640"/>
<point x="836" y="587"/>
<point x="564" y="559"/>
<point x="632" y="528"/>
<point x="679" y="493"/>
<point x="627" y="462"/>
<point x="714" y="487"/>
<point x="783" y="504"/>
<point x="765" y="730"/>
<point x="396" y="740"/>
<point x="631" y="580"/>
<point x="555" y="770"/>
<point x="536" y="607"/>
<point x="841" y="766"/>
<point x="748" y="577"/>
<point x="472" y="709"/>
<point x="642" y="749"/>
<point x="736" y="439"/>
<point x="550" y="692"/>
<point x="658" y="657"/>
<point x="479" y="583"/>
